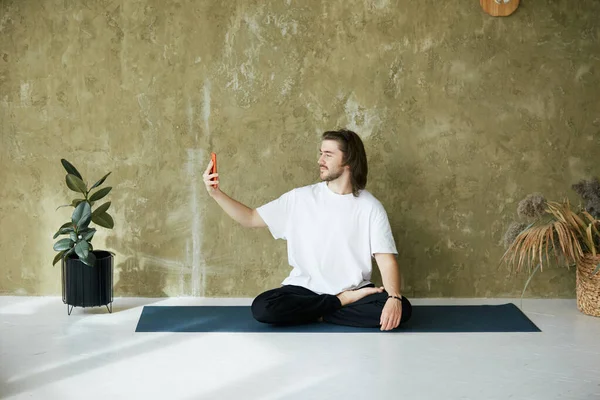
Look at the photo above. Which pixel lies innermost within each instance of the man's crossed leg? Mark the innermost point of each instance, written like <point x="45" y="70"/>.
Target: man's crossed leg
<point x="293" y="305"/>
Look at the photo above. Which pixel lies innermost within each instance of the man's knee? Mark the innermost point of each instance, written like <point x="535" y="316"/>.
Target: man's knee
<point x="406" y="310"/>
<point x="260" y="309"/>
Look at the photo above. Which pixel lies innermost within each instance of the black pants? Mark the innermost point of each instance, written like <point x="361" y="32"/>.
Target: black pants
<point x="291" y="305"/>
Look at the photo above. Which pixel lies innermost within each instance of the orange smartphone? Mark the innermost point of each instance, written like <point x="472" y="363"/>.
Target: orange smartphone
<point x="213" y="170"/>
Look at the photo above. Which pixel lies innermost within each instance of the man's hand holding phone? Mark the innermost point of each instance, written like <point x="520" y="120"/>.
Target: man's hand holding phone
<point x="211" y="177"/>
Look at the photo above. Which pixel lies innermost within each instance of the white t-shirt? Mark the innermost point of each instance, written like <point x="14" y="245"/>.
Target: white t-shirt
<point x="331" y="237"/>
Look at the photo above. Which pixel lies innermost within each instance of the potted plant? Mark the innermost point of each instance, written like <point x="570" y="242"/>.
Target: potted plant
<point x="570" y="234"/>
<point x="86" y="273"/>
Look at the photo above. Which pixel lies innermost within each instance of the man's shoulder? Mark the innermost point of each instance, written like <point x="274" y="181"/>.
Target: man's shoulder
<point x="368" y="197"/>
<point x="308" y="189"/>
<point x="368" y="200"/>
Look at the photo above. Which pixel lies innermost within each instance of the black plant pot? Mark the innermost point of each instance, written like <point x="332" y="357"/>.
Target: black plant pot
<point x="86" y="286"/>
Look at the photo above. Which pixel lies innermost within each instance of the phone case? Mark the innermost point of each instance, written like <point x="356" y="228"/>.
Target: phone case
<point x="213" y="170"/>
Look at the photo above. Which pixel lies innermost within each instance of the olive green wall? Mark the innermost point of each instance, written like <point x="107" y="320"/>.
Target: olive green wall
<point x="462" y="115"/>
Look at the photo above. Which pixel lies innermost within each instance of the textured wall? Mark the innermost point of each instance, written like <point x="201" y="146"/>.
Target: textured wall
<point x="462" y="115"/>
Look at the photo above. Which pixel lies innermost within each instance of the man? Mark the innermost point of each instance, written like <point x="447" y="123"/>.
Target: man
<point x="333" y="229"/>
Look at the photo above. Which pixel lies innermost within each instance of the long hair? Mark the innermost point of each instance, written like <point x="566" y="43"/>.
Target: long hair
<point x="354" y="156"/>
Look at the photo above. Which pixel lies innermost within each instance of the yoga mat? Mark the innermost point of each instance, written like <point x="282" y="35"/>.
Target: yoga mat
<point x="451" y="318"/>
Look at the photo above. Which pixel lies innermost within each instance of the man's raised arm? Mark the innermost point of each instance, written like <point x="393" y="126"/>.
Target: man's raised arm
<point x="244" y="215"/>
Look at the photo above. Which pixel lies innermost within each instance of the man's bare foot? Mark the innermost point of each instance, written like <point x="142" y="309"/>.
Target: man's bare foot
<point x="351" y="296"/>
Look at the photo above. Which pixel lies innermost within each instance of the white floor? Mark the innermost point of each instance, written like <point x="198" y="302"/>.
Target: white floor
<point x="46" y="354"/>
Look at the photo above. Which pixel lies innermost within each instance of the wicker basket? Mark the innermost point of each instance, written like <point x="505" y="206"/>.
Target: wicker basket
<point x="588" y="287"/>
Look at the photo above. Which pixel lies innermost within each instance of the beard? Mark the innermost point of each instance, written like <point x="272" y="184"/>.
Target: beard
<point x="330" y="175"/>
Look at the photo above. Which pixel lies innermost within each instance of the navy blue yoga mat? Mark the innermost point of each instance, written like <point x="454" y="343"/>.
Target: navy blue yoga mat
<point x="455" y="318"/>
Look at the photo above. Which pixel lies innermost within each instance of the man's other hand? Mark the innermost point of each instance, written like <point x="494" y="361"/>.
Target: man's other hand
<point x="391" y="314"/>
